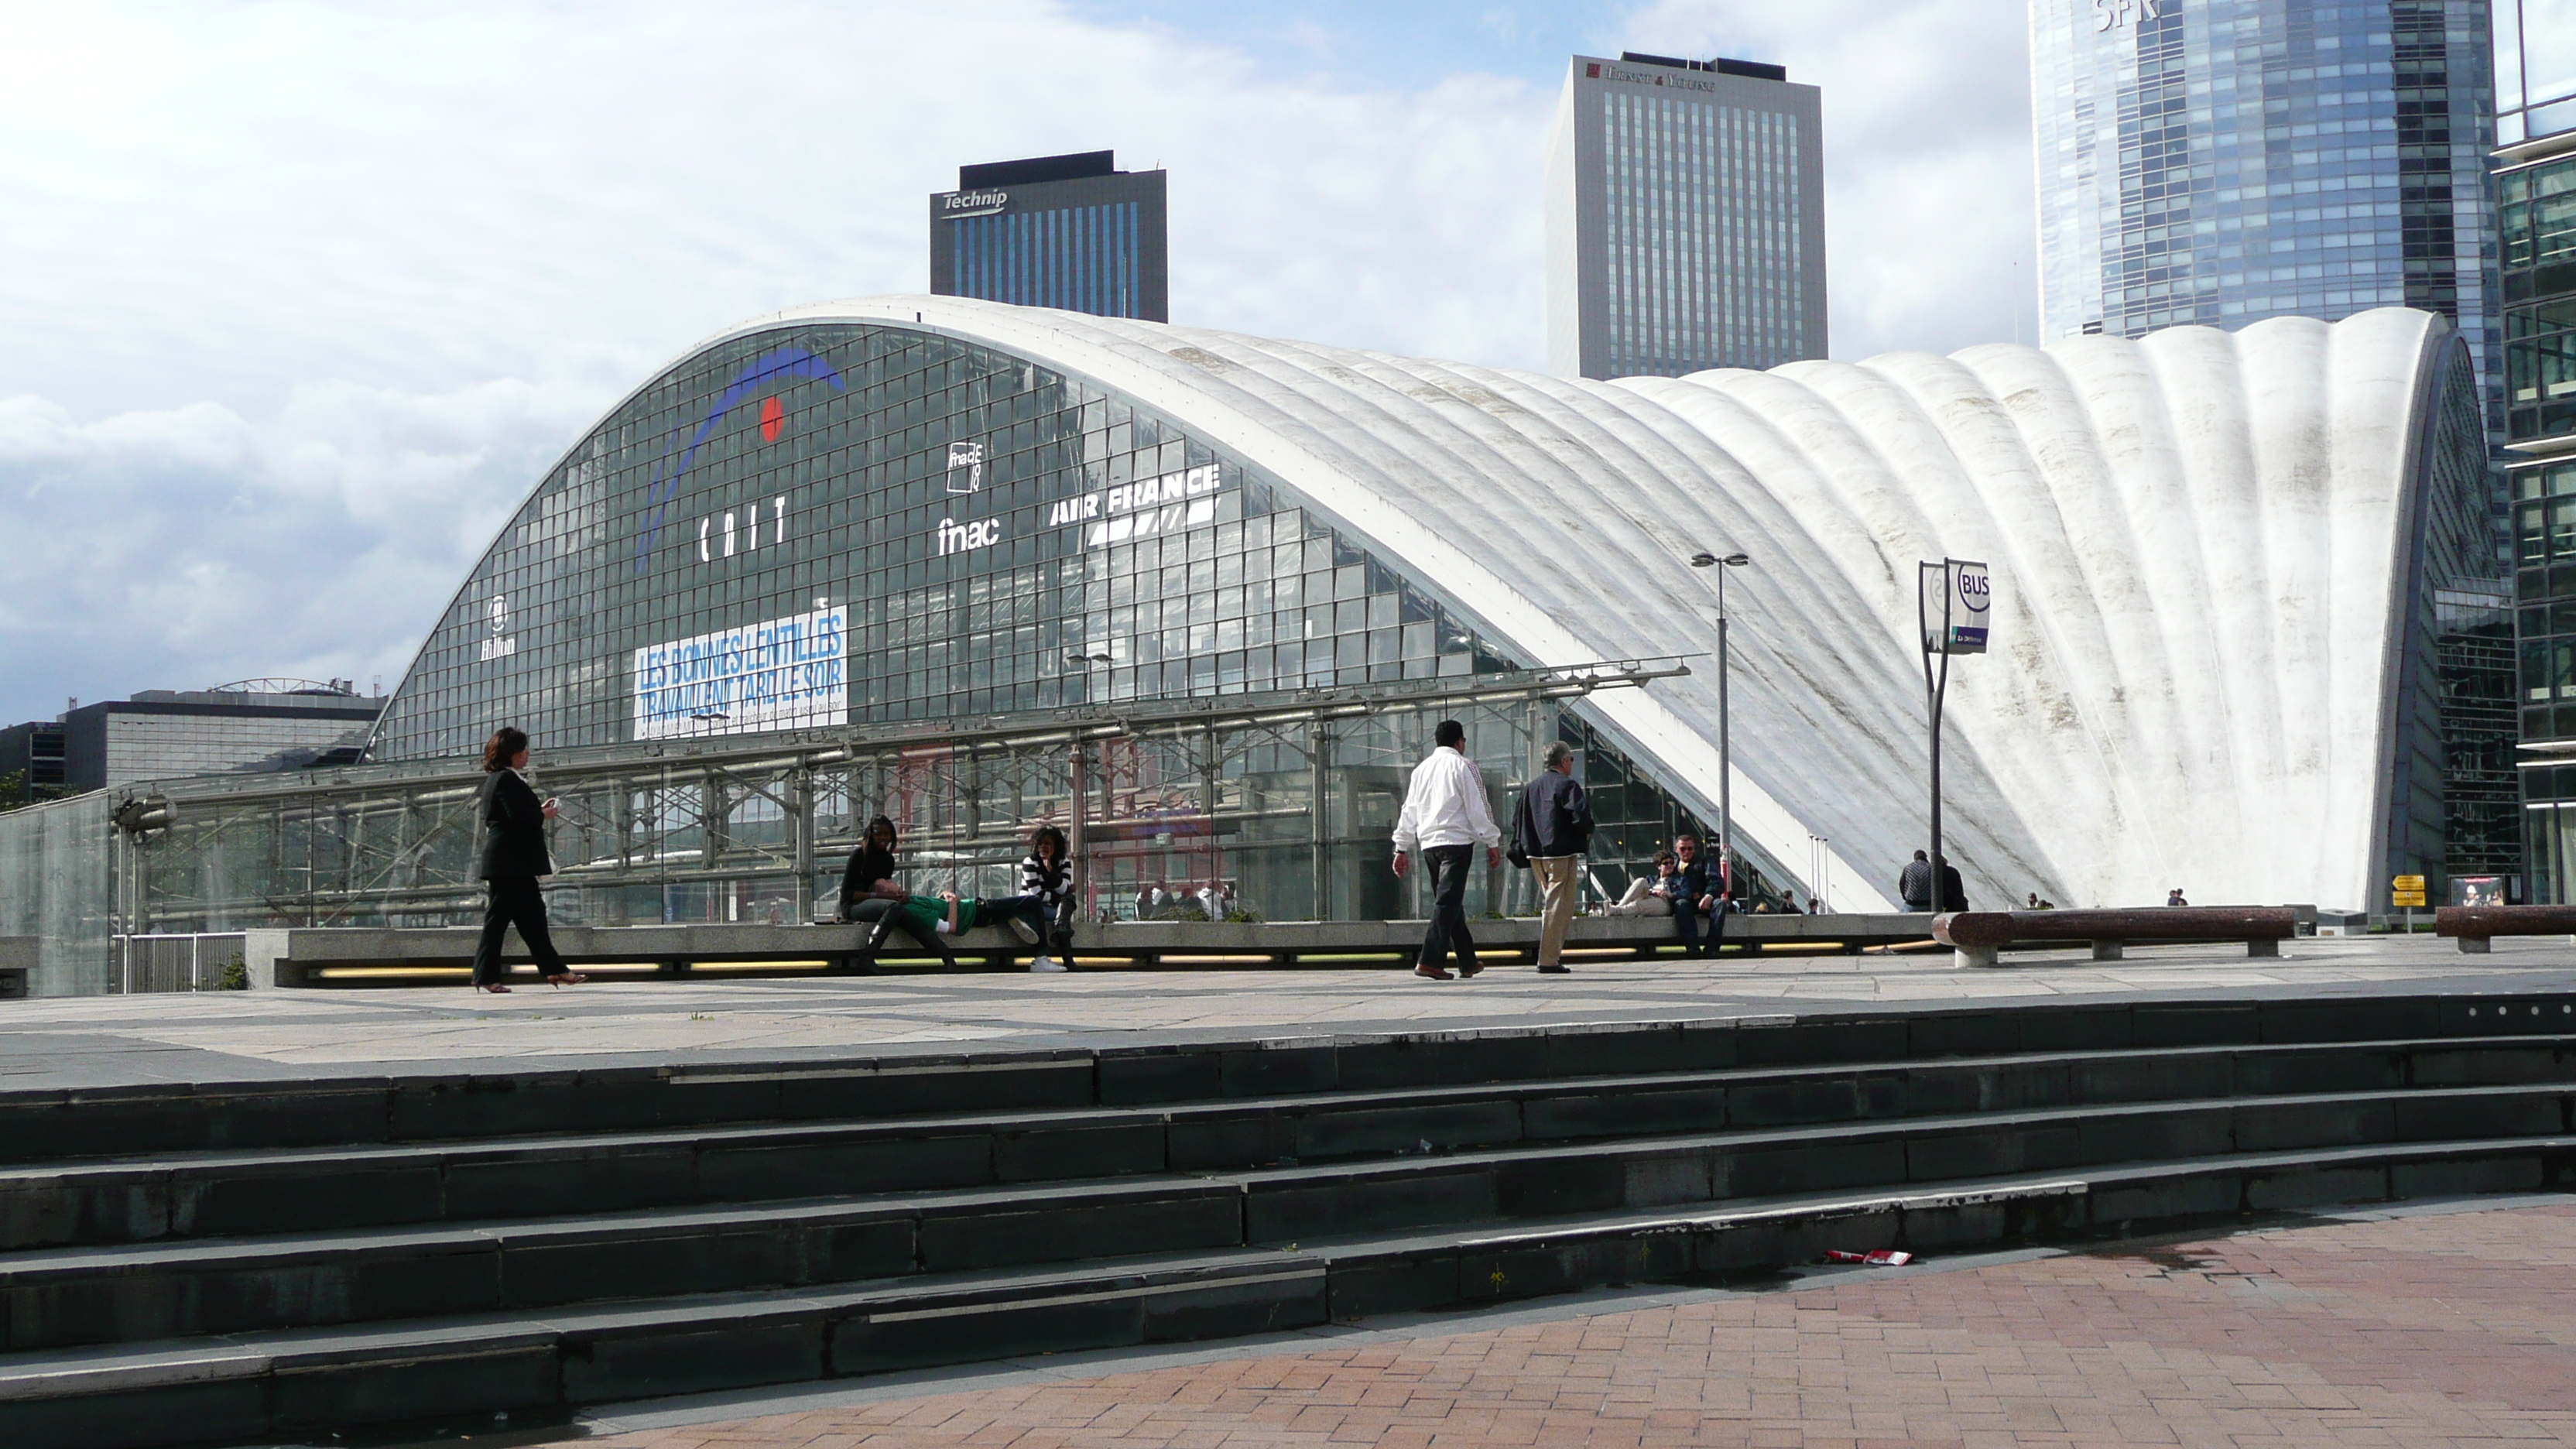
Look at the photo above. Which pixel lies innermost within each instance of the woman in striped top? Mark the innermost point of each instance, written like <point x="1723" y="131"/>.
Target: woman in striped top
<point x="1046" y="876"/>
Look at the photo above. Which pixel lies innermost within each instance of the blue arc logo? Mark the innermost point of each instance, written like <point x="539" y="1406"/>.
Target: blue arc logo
<point x="758" y="376"/>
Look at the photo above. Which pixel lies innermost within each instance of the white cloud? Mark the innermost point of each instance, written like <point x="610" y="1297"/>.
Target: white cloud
<point x="186" y="547"/>
<point x="1928" y="178"/>
<point x="298" y="299"/>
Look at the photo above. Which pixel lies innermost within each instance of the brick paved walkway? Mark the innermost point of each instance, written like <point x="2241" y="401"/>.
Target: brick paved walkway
<point x="2440" y="1328"/>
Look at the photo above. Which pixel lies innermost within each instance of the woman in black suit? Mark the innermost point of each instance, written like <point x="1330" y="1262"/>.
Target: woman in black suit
<point x="514" y="857"/>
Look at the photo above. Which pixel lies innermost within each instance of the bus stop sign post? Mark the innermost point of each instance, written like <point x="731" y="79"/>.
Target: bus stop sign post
<point x="1952" y="605"/>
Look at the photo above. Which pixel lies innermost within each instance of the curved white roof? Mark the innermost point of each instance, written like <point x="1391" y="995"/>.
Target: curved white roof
<point x="2200" y="544"/>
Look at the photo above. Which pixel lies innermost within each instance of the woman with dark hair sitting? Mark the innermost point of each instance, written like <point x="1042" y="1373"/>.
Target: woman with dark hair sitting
<point x="871" y="894"/>
<point x="514" y="858"/>
<point x="1047" y="878"/>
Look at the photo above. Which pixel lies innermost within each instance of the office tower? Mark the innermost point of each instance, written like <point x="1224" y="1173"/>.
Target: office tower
<point x="1685" y="218"/>
<point x="2536" y="181"/>
<point x="2223" y="161"/>
<point x="1073" y="232"/>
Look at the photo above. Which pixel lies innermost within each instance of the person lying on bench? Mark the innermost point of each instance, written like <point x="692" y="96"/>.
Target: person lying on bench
<point x="928" y="918"/>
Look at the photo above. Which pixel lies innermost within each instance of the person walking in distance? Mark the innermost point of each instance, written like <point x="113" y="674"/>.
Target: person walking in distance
<point x="1445" y="818"/>
<point x="513" y="859"/>
<point x="1549" y="831"/>
<point x="1914" y="884"/>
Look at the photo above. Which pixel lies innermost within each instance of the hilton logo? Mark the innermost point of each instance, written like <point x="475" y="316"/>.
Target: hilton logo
<point x="2112" y="14"/>
<point x="499" y="644"/>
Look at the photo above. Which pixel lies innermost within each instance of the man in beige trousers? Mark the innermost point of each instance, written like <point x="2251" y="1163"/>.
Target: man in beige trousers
<point x="1551" y="828"/>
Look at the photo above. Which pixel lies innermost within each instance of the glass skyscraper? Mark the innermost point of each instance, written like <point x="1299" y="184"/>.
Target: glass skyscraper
<point x="1685" y="218"/>
<point x="2222" y="161"/>
<point x="1071" y="232"/>
<point x="2536" y="181"/>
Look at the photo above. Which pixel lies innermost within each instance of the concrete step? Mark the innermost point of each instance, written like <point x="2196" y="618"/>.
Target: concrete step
<point x="52" y="1126"/>
<point x="252" y="1384"/>
<point x="84" y="1295"/>
<point x="197" y="1195"/>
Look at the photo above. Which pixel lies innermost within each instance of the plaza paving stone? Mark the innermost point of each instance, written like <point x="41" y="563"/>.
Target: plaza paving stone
<point x="272" y="1034"/>
<point x="2449" y="1325"/>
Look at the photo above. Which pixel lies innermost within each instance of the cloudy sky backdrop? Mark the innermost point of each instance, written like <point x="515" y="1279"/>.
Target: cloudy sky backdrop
<point x="297" y="301"/>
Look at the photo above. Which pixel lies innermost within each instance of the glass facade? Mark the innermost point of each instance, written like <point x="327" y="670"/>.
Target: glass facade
<point x="1704" y="248"/>
<point x="1288" y="800"/>
<point x="1069" y="232"/>
<point x="822" y="572"/>
<point x="2221" y="161"/>
<point x="2536" y="184"/>
<point x="2538" y="231"/>
<point x="1079" y="258"/>
<point x="943" y="529"/>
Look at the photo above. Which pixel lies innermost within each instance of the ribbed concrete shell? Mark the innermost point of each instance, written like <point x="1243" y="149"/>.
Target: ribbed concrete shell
<point x="2203" y="545"/>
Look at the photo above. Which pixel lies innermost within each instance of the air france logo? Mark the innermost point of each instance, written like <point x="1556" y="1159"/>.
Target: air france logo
<point x="1164" y="504"/>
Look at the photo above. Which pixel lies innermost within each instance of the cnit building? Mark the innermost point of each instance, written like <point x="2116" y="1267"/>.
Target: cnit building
<point x="1199" y="598"/>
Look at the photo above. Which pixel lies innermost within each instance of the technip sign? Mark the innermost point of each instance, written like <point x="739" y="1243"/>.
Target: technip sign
<point x="786" y="674"/>
<point x="957" y="205"/>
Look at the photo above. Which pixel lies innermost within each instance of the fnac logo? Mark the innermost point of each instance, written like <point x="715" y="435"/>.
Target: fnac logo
<point x="760" y="378"/>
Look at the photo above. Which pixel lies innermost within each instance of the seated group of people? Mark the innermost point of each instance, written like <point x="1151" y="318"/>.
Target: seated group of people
<point x="1695" y="891"/>
<point x="1041" y="914"/>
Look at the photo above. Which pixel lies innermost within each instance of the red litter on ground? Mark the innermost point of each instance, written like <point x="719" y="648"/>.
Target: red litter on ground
<point x="1883" y="1258"/>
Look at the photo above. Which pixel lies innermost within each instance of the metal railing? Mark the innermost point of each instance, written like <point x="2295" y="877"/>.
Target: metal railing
<point x="197" y="962"/>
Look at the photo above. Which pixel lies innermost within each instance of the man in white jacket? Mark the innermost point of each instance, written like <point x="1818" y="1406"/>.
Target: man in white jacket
<point x="1445" y="818"/>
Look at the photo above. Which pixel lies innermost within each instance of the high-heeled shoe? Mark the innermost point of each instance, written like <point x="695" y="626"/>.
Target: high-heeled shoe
<point x="495" y="987"/>
<point x="569" y="978"/>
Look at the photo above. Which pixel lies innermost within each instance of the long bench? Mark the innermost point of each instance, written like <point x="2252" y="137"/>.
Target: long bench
<point x="353" y="956"/>
<point x="1978" y="936"/>
<point x="2475" y="926"/>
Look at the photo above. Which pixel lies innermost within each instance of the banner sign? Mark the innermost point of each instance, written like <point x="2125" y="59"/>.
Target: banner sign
<point x="786" y="674"/>
<point x="1958" y="598"/>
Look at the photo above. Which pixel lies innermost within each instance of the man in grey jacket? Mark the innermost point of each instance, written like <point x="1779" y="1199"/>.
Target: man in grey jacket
<point x="1551" y="829"/>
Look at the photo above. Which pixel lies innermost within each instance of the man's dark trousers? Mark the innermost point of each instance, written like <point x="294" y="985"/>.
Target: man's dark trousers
<point x="1448" y="867"/>
<point x="1687" y="917"/>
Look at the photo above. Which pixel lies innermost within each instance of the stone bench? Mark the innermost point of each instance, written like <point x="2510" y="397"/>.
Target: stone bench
<point x="360" y="955"/>
<point x="2475" y="926"/>
<point x="1978" y="935"/>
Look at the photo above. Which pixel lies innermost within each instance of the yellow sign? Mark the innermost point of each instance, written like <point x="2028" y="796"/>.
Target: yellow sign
<point x="2406" y="890"/>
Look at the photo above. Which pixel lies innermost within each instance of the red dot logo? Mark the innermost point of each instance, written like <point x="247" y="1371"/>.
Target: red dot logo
<point x="772" y="418"/>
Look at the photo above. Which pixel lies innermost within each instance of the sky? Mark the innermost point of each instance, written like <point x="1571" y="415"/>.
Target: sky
<point x="298" y="301"/>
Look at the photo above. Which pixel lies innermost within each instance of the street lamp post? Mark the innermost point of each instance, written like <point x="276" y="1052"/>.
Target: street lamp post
<point x="1725" y="761"/>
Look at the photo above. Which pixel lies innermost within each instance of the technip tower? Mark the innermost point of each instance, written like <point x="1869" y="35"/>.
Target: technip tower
<point x="1073" y="232"/>
<point x="1685" y="218"/>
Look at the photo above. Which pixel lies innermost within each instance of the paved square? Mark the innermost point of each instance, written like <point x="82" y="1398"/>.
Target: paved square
<point x="2443" y="1327"/>
<point x="77" y="1042"/>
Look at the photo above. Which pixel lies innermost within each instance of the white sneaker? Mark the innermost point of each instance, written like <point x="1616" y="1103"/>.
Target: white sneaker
<point x="1021" y="928"/>
<point x="1044" y="963"/>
